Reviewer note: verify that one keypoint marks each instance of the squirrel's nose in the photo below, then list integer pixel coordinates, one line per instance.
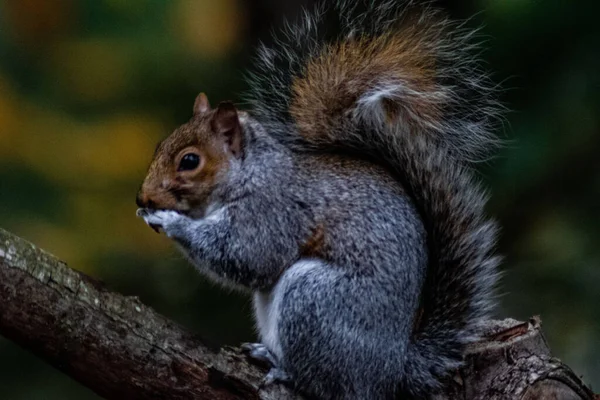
(139, 200)
(144, 201)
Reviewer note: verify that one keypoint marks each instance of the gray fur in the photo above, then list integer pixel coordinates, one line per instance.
(356, 307)
(430, 157)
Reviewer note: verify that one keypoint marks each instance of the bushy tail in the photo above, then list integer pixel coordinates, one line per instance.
(398, 81)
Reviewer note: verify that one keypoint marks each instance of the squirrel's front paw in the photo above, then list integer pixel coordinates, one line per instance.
(168, 221)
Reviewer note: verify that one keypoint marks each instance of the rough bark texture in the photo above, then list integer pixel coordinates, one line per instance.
(513, 361)
(113, 344)
(122, 349)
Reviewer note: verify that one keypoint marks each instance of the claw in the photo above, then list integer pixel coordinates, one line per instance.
(143, 213)
(259, 352)
(155, 227)
(276, 375)
(247, 347)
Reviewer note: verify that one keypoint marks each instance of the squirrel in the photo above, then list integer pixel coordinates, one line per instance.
(345, 199)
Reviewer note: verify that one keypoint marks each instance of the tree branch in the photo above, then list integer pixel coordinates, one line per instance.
(120, 348)
(112, 344)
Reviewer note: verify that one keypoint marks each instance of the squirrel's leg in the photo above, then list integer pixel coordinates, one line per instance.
(339, 335)
(265, 311)
(230, 250)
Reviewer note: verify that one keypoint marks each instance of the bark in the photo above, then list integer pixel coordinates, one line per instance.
(120, 348)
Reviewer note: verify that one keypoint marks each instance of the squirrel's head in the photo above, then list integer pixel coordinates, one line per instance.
(189, 164)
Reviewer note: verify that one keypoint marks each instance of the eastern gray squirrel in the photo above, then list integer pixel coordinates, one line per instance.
(345, 199)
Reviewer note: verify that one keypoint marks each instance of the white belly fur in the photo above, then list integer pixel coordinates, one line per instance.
(266, 315)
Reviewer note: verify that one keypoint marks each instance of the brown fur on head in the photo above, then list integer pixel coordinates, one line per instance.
(189, 164)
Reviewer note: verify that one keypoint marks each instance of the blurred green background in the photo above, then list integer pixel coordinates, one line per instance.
(88, 87)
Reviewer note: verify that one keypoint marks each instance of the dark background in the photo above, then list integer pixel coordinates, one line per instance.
(88, 87)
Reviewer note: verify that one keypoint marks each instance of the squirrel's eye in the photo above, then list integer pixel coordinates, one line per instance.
(189, 162)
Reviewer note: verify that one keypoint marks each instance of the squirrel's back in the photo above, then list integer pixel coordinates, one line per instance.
(398, 82)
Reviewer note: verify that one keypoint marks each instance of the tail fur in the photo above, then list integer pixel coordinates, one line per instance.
(400, 82)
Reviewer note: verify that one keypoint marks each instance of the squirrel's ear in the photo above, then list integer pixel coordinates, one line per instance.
(201, 105)
(226, 124)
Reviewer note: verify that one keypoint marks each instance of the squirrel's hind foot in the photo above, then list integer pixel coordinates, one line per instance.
(261, 353)
(276, 375)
